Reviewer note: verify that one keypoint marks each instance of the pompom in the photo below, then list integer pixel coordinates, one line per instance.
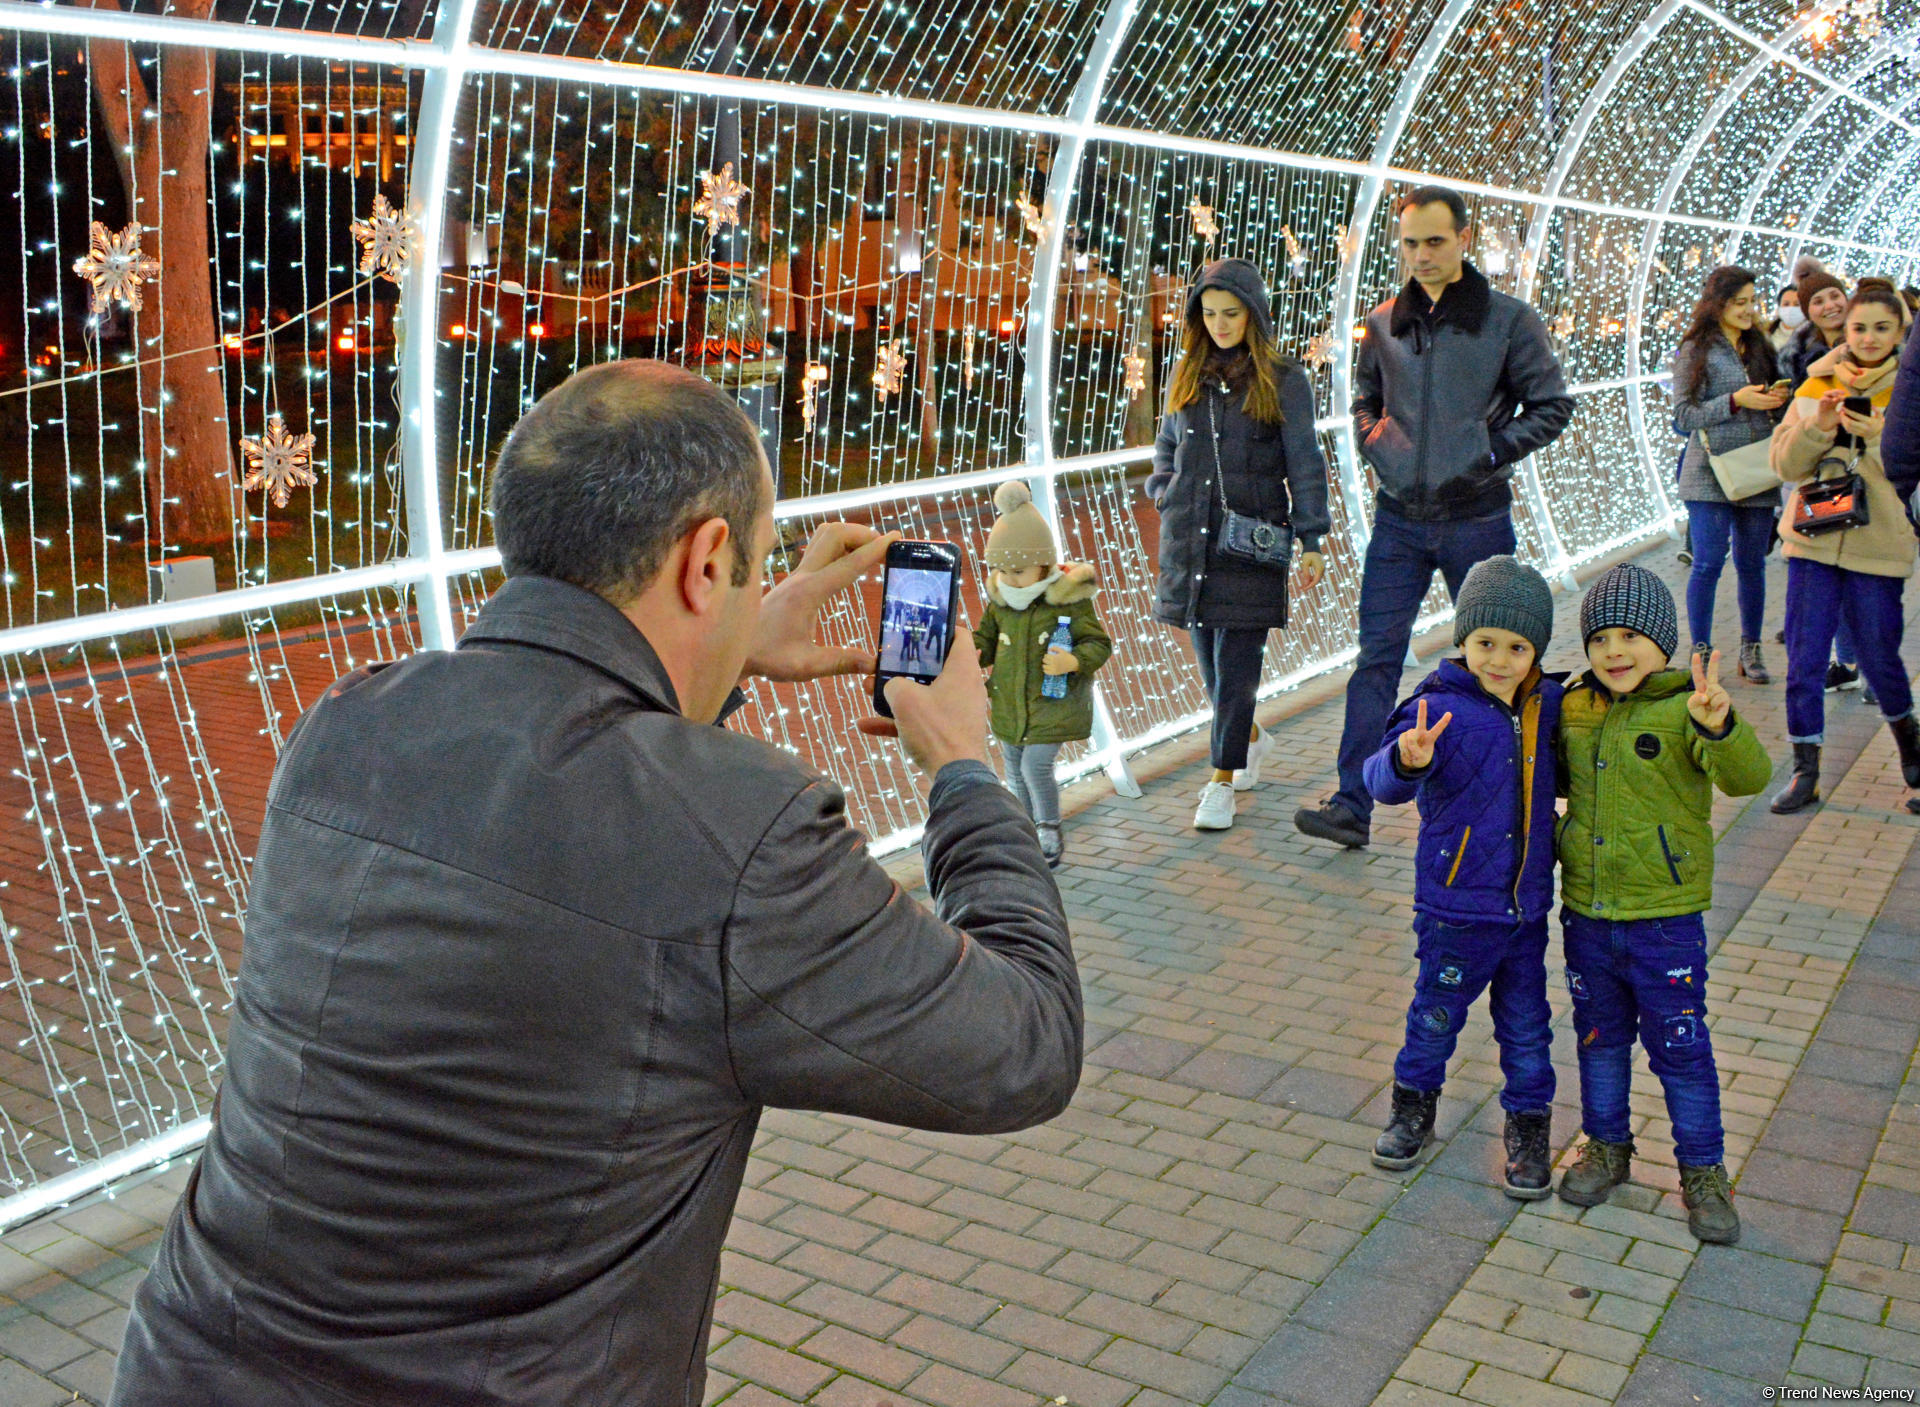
(1011, 495)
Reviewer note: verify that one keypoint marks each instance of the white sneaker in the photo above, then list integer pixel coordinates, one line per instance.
(1215, 811)
(1248, 777)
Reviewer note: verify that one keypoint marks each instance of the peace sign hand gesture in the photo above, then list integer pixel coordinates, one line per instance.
(1710, 703)
(1416, 744)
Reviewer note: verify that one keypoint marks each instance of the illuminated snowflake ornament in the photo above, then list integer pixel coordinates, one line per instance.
(889, 365)
(1562, 325)
(1204, 224)
(1031, 216)
(386, 237)
(720, 197)
(1320, 351)
(1136, 375)
(279, 461)
(116, 266)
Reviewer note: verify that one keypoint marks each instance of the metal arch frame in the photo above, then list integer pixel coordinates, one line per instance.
(1656, 228)
(1881, 50)
(1346, 310)
(1043, 288)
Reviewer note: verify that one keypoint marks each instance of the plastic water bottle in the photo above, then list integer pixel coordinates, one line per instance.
(1054, 686)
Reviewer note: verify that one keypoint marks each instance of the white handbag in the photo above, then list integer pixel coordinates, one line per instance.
(1744, 472)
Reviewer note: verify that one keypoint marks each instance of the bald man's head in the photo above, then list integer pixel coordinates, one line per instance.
(614, 466)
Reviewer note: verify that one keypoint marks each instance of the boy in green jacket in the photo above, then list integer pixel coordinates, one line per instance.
(1040, 637)
(1641, 749)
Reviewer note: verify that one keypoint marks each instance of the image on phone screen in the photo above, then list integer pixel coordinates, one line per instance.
(913, 621)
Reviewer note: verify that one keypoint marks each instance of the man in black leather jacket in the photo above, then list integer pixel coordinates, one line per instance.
(1454, 383)
(531, 943)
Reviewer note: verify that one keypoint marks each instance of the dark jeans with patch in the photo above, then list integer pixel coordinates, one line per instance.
(1645, 977)
(1458, 962)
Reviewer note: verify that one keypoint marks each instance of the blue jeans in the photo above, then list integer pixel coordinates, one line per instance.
(1457, 963)
(1823, 598)
(1647, 976)
(1402, 557)
(1712, 529)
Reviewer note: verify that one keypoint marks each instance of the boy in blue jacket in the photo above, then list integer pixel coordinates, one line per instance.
(1483, 774)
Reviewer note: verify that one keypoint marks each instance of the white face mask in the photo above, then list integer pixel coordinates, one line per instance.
(1793, 316)
(1021, 597)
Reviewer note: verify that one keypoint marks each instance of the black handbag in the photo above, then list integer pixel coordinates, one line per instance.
(1831, 505)
(1243, 536)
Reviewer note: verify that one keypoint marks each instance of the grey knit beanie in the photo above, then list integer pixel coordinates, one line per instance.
(1636, 599)
(1504, 593)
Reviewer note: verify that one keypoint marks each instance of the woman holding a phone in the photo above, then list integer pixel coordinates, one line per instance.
(1726, 391)
(1849, 549)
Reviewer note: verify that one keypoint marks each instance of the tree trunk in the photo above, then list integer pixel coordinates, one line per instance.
(185, 440)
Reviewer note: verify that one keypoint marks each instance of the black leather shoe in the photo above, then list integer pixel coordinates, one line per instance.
(1333, 821)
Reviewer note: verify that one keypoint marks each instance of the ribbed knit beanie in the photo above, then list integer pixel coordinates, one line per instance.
(1632, 597)
(1021, 538)
(1504, 593)
(1812, 283)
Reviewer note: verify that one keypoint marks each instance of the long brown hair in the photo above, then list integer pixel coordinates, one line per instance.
(1197, 347)
(1722, 287)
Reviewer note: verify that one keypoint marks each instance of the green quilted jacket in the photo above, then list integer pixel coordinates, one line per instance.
(1638, 773)
(1012, 644)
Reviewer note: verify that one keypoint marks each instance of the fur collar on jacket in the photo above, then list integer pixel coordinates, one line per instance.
(1078, 582)
(1464, 304)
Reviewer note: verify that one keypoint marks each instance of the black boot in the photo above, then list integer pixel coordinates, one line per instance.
(1906, 737)
(1529, 1156)
(1409, 1130)
(1803, 788)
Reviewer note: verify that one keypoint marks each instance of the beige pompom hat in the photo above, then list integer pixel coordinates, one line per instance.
(1021, 538)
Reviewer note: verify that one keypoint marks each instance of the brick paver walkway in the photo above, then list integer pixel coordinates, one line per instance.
(1203, 1226)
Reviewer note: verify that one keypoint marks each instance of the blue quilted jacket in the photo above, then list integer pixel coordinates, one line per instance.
(1486, 800)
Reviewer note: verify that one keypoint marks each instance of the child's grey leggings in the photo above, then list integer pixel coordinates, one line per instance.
(1030, 777)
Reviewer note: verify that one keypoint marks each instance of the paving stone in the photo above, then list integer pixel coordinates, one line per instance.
(21, 1387)
(1745, 1279)
(1887, 1211)
(1664, 1382)
(1142, 1055)
(1796, 1233)
(1228, 1072)
(1304, 1366)
(1450, 1204)
(1723, 1338)
(1319, 1092)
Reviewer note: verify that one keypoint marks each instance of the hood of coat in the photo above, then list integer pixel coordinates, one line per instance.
(1078, 581)
(1243, 280)
(1464, 304)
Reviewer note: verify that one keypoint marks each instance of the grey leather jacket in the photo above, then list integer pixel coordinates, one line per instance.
(527, 953)
(1445, 402)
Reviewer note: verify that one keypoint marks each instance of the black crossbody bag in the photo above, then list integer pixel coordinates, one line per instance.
(1243, 536)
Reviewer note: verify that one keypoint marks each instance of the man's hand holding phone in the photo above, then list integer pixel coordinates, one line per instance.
(941, 722)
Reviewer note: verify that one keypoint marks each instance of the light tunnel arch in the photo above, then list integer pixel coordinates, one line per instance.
(1080, 482)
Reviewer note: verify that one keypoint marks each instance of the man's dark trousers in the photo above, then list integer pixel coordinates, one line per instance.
(1402, 557)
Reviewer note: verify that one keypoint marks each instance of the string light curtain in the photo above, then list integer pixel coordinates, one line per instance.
(286, 274)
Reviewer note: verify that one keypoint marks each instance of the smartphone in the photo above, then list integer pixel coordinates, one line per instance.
(1779, 386)
(919, 603)
(1859, 405)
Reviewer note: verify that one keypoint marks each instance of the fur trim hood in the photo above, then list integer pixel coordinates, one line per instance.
(1078, 582)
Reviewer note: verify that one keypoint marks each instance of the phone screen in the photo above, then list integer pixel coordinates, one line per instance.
(1859, 405)
(917, 605)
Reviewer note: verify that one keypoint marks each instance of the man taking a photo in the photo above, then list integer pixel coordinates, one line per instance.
(1453, 385)
(531, 943)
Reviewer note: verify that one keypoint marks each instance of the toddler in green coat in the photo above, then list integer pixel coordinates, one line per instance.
(1041, 690)
(1642, 748)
